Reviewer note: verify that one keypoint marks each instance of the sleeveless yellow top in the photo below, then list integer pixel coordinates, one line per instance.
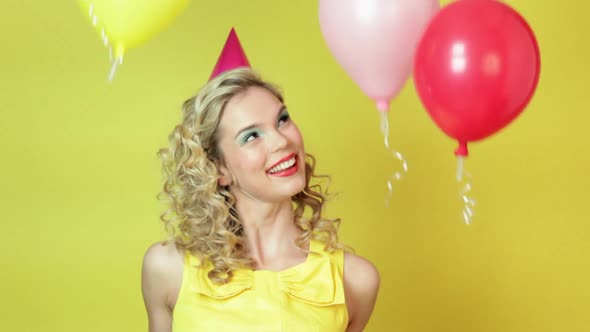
(306, 297)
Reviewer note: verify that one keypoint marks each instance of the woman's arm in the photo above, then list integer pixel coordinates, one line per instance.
(361, 285)
(161, 277)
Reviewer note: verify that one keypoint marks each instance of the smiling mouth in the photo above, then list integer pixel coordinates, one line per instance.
(285, 165)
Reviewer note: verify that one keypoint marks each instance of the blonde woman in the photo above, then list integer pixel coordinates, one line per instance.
(249, 249)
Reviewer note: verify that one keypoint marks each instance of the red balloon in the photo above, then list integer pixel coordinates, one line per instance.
(476, 68)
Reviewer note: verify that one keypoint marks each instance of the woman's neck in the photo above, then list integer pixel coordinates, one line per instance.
(270, 232)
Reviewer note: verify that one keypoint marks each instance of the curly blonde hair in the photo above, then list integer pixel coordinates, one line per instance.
(201, 216)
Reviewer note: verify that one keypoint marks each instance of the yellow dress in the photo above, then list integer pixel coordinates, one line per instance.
(307, 297)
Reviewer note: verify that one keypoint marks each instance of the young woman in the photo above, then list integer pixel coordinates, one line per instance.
(249, 248)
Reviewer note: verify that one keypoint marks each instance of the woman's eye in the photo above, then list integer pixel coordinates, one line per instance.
(284, 118)
(249, 137)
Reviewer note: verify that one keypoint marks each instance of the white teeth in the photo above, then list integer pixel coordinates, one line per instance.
(283, 165)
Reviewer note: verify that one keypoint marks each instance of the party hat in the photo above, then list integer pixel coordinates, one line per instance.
(232, 56)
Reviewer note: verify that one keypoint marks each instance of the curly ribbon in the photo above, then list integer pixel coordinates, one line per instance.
(398, 175)
(464, 180)
(115, 62)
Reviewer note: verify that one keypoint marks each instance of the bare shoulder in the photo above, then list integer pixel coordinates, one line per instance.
(360, 273)
(162, 254)
(163, 260)
(162, 269)
(361, 286)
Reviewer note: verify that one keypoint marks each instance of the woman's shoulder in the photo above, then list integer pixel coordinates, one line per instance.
(359, 272)
(160, 257)
(162, 269)
(361, 285)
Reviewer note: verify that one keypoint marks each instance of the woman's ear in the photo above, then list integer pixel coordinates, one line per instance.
(226, 178)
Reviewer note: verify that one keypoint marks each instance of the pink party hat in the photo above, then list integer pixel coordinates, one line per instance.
(232, 56)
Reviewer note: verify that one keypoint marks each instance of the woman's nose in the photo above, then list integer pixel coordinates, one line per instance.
(278, 141)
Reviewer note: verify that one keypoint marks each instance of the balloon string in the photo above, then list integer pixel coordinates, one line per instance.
(114, 64)
(115, 61)
(464, 180)
(398, 175)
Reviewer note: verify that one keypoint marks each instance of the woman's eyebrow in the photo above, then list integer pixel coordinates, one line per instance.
(254, 125)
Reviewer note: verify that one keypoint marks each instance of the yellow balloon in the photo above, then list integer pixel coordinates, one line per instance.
(123, 24)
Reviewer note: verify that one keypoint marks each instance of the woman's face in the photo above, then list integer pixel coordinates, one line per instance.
(261, 146)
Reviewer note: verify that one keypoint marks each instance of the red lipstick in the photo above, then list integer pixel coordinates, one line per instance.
(288, 171)
(282, 160)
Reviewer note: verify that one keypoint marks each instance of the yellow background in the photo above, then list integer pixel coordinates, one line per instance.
(79, 171)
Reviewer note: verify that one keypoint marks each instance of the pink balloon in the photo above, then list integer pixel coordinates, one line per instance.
(375, 40)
